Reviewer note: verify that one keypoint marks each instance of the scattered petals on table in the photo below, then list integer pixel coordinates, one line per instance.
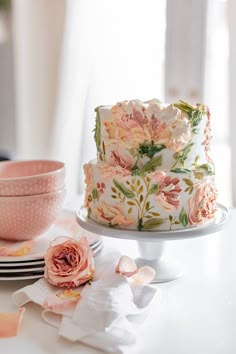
(126, 266)
(144, 275)
(10, 323)
(24, 249)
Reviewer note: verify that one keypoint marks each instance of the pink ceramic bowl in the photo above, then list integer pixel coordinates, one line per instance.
(18, 178)
(25, 217)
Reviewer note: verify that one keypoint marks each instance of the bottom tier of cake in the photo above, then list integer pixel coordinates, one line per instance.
(153, 200)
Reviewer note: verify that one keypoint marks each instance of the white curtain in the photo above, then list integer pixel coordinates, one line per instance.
(38, 27)
(73, 55)
(112, 50)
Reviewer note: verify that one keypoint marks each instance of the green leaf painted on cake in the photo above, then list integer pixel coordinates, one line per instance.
(151, 165)
(188, 182)
(180, 170)
(150, 149)
(135, 171)
(153, 223)
(123, 189)
(206, 167)
(195, 113)
(182, 155)
(154, 189)
(183, 218)
(140, 224)
(95, 193)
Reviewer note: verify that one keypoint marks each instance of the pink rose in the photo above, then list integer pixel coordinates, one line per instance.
(202, 203)
(69, 263)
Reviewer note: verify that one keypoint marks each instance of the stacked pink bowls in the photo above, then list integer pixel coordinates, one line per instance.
(31, 197)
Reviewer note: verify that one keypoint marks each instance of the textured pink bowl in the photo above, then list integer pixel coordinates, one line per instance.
(23, 218)
(18, 178)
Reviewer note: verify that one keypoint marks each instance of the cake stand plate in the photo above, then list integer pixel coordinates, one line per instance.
(151, 244)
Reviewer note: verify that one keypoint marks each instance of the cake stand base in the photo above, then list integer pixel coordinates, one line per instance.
(151, 244)
(152, 254)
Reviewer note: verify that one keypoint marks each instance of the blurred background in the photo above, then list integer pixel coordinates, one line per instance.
(59, 59)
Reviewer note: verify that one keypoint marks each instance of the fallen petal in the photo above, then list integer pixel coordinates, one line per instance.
(10, 323)
(144, 275)
(62, 301)
(126, 266)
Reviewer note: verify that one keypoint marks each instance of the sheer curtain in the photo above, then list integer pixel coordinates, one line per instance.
(73, 55)
(111, 51)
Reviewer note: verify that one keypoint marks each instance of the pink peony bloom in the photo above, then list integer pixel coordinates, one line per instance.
(113, 215)
(121, 159)
(69, 263)
(202, 203)
(168, 194)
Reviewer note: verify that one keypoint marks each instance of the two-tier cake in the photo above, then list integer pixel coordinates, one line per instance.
(153, 169)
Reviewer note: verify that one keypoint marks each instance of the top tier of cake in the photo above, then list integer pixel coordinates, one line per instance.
(142, 136)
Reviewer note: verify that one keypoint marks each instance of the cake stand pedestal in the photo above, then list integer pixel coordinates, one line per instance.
(151, 244)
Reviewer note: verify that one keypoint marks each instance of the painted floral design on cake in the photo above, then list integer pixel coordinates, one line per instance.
(154, 169)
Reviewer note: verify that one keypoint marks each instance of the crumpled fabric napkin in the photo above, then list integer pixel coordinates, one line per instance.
(106, 315)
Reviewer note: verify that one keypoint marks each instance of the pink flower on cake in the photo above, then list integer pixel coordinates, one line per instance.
(207, 133)
(108, 171)
(112, 215)
(168, 194)
(181, 134)
(69, 263)
(202, 203)
(119, 158)
(101, 186)
(88, 171)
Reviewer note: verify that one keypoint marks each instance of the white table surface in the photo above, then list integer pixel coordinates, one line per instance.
(195, 314)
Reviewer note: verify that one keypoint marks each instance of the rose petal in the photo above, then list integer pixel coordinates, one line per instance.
(23, 250)
(65, 300)
(144, 275)
(126, 266)
(10, 323)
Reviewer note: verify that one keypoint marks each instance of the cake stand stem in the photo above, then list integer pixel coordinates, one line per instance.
(153, 255)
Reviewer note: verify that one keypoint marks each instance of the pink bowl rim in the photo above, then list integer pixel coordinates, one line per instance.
(60, 191)
(57, 171)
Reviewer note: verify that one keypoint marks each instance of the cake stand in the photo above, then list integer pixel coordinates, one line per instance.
(151, 244)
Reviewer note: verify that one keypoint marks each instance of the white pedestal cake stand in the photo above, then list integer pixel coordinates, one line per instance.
(151, 244)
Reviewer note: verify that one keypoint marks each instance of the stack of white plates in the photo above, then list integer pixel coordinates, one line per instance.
(31, 266)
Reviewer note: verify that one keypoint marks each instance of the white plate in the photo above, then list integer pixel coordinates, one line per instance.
(65, 225)
(21, 270)
(20, 264)
(22, 277)
(218, 223)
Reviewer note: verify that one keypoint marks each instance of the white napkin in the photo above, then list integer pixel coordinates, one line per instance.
(107, 313)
